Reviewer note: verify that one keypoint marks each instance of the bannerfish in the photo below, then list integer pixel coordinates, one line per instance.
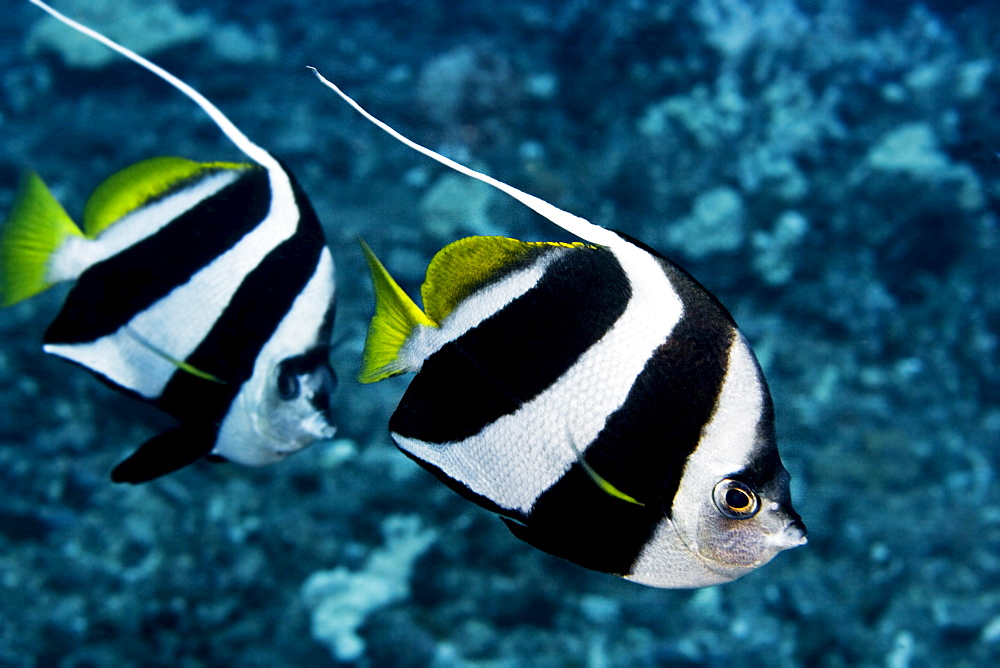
(593, 394)
(203, 288)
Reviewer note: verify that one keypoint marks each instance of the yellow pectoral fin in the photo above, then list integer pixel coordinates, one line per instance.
(598, 479)
(194, 371)
(606, 486)
(396, 317)
(36, 228)
(180, 364)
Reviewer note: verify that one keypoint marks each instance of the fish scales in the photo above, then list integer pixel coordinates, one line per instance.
(540, 334)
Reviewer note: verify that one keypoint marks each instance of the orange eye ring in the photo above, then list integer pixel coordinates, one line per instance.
(735, 499)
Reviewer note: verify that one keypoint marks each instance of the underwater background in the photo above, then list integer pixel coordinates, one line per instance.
(828, 168)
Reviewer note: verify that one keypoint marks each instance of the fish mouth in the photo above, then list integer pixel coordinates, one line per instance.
(793, 534)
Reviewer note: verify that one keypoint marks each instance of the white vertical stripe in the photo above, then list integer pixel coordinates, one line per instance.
(670, 558)
(252, 432)
(727, 440)
(516, 458)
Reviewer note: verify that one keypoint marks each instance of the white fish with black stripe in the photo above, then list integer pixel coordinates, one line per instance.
(595, 395)
(205, 289)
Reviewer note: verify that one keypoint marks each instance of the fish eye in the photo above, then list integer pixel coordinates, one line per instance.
(735, 499)
(288, 383)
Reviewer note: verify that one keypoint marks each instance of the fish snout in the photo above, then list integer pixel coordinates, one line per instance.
(792, 535)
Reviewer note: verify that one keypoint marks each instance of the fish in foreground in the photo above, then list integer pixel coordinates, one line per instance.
(205, 289)
(593, 394)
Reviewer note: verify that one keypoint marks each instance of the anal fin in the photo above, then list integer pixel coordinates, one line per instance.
(525, 533)
(165, 453)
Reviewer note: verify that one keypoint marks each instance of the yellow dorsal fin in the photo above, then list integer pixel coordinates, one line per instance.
(396, 316)
(464, 265)
(35, 230)
(128, 189)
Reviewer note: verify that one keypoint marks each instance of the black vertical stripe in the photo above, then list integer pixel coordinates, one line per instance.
(230, 349)
(594, 530)
(644, 444)
(110, 293)
(765, 472)
(517, 353)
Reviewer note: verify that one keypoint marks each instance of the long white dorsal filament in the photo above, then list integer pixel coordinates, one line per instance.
(254, 152)
(575, 225)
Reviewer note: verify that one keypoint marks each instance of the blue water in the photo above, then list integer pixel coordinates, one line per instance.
(828, 169)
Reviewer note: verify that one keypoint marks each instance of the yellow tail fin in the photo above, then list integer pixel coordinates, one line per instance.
(36, 228)
(396, 316)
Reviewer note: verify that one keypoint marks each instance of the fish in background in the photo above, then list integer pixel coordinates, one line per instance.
(203, 288)
(593, 394)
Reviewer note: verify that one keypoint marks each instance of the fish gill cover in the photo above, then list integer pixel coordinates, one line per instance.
(829, 170)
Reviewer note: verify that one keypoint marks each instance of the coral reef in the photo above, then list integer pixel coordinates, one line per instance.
(828, 169)
(152, 26)
(340, 599)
